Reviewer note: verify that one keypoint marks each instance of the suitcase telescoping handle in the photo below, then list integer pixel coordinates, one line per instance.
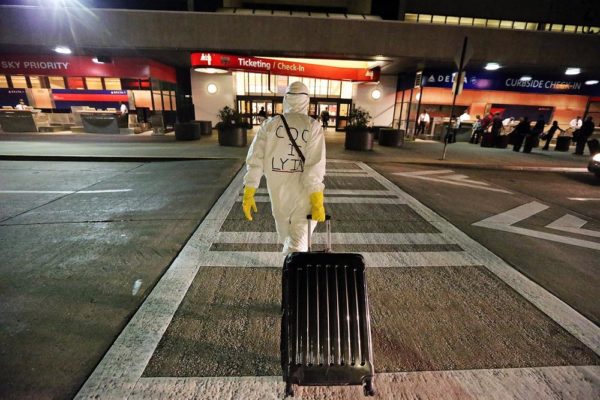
(327, 227)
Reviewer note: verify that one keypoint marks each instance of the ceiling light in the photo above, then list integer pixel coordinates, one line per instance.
(492, 66)
(211, 70)
(95, 59)
(572, 71)
(62, 50)
(525, 78)
(376, 94)
(591, 82)
(211, 88)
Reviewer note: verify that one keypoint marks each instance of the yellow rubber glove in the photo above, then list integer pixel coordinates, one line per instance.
(318, 210)
(248, 202)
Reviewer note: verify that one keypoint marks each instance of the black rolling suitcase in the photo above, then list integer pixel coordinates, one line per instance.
(326, 327)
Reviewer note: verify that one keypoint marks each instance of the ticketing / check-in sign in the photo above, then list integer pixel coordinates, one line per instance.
(283, 67)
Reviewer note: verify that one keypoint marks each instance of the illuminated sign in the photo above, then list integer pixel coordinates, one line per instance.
(283, 67)
(498, 81)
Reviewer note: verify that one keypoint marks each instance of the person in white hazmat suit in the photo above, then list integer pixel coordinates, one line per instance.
(295, 188)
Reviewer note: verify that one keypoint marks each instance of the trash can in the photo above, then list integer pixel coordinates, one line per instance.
(563, 143)
(391, 137)
(187, 131)
(205, 127)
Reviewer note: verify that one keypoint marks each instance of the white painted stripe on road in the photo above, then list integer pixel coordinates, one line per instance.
(584, 198)
(345, 192)
(573, 224)
(392, 259)
(338, 238)
(63, 191)
(359, 174)
(561, 382)
(342, 200)
(504, 221)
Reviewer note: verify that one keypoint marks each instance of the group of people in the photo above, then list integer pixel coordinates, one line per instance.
(527, 136)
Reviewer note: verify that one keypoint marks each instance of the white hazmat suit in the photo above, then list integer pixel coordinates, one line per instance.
(289, 181)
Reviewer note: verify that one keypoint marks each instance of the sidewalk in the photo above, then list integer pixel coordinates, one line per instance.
(68, 146)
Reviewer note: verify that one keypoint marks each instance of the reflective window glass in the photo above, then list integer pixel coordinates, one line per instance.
(36, 82)
(439, 19)
(240, 88)
(411, 17)
(56, 82)
(557, 28)
(479, 21)
(532, 26)
(93, 83)
(282, 83)
(493, 23)
(335, 88)
(75, 83)
(452, 20)
(520, 25)
(466, 21)
(425, 18)
(18, 81)
(112, 83)
(156, 97)
(506, 24)
(346, 90)
(3, 82)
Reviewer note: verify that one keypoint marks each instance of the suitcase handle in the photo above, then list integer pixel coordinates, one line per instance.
(327, 226)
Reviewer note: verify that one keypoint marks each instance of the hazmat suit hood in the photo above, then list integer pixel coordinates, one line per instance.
(296, 99)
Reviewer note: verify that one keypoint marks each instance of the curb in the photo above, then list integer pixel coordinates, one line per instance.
(107, 158)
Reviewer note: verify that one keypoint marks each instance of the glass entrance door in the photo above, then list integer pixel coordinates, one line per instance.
(267, 105)
(327, 113)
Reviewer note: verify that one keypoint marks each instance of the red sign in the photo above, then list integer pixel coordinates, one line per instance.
(281, 67)
(65, 65)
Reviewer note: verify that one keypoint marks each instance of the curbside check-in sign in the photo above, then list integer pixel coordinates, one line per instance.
(498, 81)
(283, 67)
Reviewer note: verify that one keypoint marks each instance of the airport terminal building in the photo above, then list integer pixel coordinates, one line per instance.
(185, 60)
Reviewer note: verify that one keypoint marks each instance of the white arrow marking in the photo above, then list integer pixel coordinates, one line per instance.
(454, 179)
(62, 191)
(571, 223)
(505, 220)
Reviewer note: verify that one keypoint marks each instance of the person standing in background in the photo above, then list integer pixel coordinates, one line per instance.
(586, 130)
(422, 122)
(575, 123)
(550, 134)
(21, 105)
(496, 129)
(262, 115)
(477, 131)
(325, 117)
(536, 131)
(521, 131)
(123, 109)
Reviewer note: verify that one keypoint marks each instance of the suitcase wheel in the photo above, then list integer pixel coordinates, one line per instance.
(289, 389)
(368, 388)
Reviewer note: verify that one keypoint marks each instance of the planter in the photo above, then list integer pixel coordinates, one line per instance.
(359, 139)
(391, 137)
(233, 136)
(187, 131)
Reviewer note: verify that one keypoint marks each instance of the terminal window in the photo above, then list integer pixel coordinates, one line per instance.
(3, 82)
(18, 81)
(56, 82)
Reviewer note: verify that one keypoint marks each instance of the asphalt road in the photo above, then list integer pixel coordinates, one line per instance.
(81, 246)
(569, 271)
